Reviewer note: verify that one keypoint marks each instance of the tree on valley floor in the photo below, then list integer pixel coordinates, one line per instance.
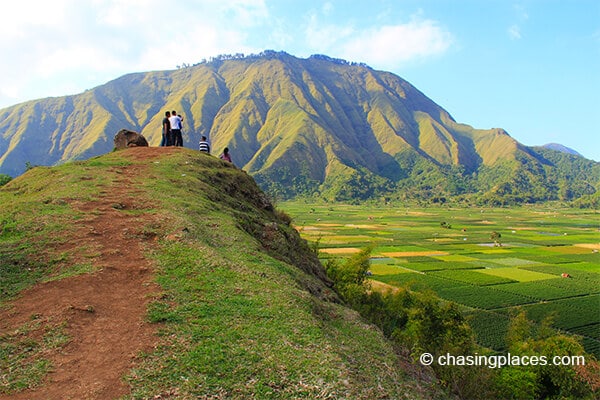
(495, 236)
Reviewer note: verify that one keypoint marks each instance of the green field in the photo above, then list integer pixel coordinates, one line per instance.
(450, 251)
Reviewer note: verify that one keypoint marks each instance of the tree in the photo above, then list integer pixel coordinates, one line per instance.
(4, 179)
(495, 236)
(544, 380)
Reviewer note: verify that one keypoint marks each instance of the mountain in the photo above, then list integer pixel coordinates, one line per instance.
(166, 273)
(318, 126)
(561, 148)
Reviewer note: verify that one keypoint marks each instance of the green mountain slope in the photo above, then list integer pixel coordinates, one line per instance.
(316, 126)
(242, 308)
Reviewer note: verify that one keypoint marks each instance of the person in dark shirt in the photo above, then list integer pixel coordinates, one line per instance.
(166, 130)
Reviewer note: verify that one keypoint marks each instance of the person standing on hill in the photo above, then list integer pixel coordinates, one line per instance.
(176, 123)
(166, 131)
(204, 146)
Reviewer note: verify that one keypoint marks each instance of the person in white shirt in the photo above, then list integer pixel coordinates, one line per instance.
(176, 123)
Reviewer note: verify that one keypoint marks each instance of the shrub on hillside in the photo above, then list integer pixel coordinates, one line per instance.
(4, 179)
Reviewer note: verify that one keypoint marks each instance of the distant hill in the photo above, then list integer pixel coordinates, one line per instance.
(561, 148)
(166, 273)
(302, 127)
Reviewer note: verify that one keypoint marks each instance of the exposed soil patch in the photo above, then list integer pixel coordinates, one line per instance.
(104, 310)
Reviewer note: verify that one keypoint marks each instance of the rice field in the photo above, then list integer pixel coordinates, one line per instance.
(546, 260)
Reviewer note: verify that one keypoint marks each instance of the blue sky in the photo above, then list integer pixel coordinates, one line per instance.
(531, 67)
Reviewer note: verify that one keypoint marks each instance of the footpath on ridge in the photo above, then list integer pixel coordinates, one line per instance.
(103, 312)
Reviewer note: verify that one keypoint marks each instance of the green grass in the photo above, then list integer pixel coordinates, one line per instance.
(518, 274)
(22, 353)
(244, 320)
(417, 281)
(483, 297)
(542, 290)
(387, 269)
(474, 277)
(242, 332)
(240, 313)
(568, 313)
(592, 331)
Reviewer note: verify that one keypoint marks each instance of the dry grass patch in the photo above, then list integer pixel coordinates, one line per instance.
(592, 246)
(575, 249)
(340, 250)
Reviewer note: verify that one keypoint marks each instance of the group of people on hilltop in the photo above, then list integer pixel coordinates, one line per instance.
(171, 135)
(171, 129)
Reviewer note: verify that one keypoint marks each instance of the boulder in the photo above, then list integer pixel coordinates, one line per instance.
(126, 138)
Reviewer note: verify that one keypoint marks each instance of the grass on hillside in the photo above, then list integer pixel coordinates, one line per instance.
(235, 320)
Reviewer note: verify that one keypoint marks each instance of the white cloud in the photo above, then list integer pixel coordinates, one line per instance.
(20, 16)
(74, 43)
(393, 45)
(521, 15)
(327, 8)
(383, 46)
(70, 43)
(321, 37)
(514, 32)
(521, 12)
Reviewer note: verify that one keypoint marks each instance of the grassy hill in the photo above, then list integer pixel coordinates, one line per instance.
(166, 273)
(318, 127)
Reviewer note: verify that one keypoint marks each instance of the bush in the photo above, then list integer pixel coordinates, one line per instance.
(417, 321)
(4, 179)
(349, 278)
(545, 381)
(421, 322)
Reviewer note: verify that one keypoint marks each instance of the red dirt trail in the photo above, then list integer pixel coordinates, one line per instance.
(103, 311)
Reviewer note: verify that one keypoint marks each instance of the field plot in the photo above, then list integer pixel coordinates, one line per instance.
(474, 277)
(544, 261)
(518, 274)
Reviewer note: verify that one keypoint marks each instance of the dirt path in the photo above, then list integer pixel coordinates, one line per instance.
(103, 311)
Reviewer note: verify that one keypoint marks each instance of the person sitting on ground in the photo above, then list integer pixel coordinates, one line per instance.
(225, 156)
(204, 146)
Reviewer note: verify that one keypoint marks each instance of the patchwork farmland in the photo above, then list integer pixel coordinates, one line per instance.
(491, 261)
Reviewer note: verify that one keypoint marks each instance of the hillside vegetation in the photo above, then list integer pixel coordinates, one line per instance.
(318, 127)
(233, 303)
